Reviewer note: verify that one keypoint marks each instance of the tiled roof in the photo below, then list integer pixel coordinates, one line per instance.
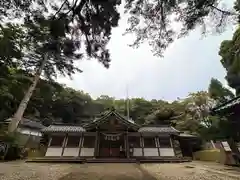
(61, 128)
(32, 124)
(105, 117)
(228, 104)
(25, 122)
(159, 129)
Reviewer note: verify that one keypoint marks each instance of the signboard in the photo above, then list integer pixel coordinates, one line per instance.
(226, 146)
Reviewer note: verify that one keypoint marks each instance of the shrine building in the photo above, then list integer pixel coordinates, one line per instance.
(115, 136)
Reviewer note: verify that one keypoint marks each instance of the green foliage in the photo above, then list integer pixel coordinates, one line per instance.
(229, 52)
(66, 31)
(218, 92)
(11, 44)
(53, 102)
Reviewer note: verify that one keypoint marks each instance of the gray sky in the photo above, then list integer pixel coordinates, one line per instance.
(187, 66)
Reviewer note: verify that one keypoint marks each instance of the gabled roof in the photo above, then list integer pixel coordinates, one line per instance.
(105, 118)
(233, 102)
(159, 129)
(63, 128)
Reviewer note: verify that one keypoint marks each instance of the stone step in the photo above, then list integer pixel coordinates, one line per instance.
(110, 160)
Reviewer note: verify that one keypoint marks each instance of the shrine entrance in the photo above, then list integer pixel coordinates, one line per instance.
(112, 145)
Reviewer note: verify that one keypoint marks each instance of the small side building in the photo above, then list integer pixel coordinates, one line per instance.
(29, 132)
(231, 111)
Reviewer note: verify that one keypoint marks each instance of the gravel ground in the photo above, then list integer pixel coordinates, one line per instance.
(192, 171)
(19, 170)
(39, 171)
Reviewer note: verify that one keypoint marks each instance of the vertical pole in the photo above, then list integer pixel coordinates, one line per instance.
(127, 104)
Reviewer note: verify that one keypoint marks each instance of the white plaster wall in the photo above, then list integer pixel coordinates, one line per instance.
(87, 152)
(71, 152)
(137, 151)
(54, 151)
(167, 152)
(150, 152)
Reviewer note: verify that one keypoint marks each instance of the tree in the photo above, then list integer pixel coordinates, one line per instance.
(11, 44)
(229, 52)
(60, 35)
(198, 105)
(155, 21)
(218, 92)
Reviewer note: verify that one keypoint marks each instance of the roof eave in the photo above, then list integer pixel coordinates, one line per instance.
(104, 118)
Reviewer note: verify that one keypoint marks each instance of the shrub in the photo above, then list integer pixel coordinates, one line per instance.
(12, 149)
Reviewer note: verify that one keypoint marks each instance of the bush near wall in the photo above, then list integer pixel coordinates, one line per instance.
(207, 155)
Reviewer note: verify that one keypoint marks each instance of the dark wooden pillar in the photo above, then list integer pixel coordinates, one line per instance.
(49, 144)
(127, 144)
(172, 145)
(80, 144)
(50, 141)
(142, 144)
(64, 143)
(96, 144)
(157, 145)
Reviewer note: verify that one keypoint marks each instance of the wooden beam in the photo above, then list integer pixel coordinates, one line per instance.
(64, 143)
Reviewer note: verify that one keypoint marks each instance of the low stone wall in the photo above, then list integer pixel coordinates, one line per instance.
(207, 155)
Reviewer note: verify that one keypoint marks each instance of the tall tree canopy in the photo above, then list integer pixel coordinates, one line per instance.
(230, 59)
(218, 92)
(156, 21)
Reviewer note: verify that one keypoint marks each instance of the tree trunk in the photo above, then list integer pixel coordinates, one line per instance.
(17, 117)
